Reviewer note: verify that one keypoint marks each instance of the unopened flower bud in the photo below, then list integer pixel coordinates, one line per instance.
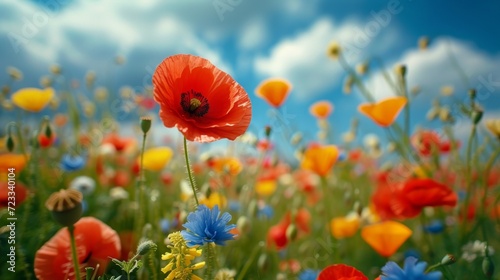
(291, 232)
(400, 70)
(488, 267)
(476, 116)
(145, 124)
(448, 259)
(243, 224)
(423, 42)
(263, 262)
(334, 50)
(146, 247)
(267, 131)
(10, 143)
(472, 94)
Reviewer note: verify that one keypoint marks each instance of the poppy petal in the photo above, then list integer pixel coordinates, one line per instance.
(385, 112)
(274, 91)
(341, 271)
(386, 237)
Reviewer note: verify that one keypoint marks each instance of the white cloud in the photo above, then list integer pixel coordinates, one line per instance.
(83, 32)
(253, 35)
(302, 59)
(433, 68)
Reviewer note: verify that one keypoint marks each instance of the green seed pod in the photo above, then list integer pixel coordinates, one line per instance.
(146, 247)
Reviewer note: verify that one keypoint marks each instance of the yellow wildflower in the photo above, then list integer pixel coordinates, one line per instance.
(180, 258)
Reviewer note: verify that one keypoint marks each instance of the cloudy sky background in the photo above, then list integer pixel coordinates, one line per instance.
(258, 39)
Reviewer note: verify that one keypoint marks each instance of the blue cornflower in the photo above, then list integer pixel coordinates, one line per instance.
(436, 226)
(309, 274)
(72, 162)
(411, 271)
(206, 226)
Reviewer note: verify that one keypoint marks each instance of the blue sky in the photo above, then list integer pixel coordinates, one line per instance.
(258, 39)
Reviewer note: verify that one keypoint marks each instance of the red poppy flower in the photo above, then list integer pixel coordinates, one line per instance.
(407, 199)
(19, 190)
(46, 141)
(95, 241)
(120, 143)
(427, 192)
(204, 103)
(276, 236)
(426, 141)
(341, 272)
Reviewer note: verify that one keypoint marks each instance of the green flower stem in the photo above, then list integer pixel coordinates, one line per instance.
(249, 261)
(76, 267)
(356, 79)
(404, 93)
(20, 138)
(433, 267)
(190, 173)
(210, 260)
(139, 186)
(487, 171)
(328, 211)
(468, 179)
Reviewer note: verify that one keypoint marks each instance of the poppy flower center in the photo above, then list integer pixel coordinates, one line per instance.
(194, 103)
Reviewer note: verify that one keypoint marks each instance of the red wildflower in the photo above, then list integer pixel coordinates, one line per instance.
(120, 143)
(95, 241)
(204, 103)
(17, 191)
(406, 200)
(426, 141)
(341, 272)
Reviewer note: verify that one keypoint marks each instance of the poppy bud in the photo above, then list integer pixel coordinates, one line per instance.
(488, 267)
(48, 131)
(243, 224)
(472, 94)
(423, 42)
(291, 232)
(476, 116)
(146, 247)
(401, 70)
(263, 262)
(10, 143)
(145, 124)
(252, 208)
(66, 206)
(448, 259)
(334, 50)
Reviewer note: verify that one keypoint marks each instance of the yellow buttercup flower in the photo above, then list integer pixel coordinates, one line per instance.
(156, 158)
(33, 99)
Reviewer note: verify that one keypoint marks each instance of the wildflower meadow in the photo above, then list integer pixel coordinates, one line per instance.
(103, 181)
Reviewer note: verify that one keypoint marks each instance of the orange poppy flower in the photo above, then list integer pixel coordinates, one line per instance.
(274, 91)
(342, 227)
(384, 112)
(386, 237)
(265, 187)
(204, 103)
(341, 271)
(11, 160)
(321, 109)
(320, 159)
(95, 241)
